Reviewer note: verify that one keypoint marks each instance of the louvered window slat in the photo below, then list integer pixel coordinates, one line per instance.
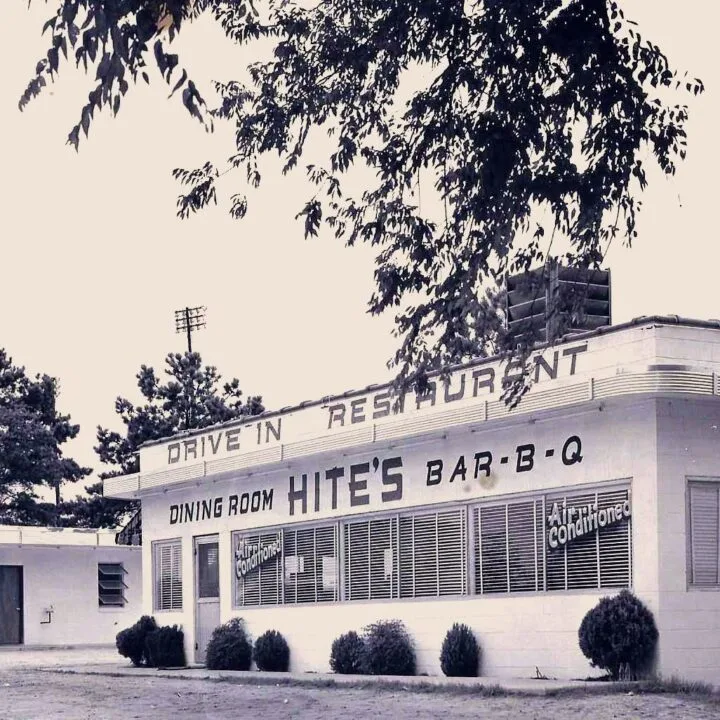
(304, 572)
(614, 545)
(306, 577)
(704, 533)
(413, 555)
(260, 586)
(492, 564)
(167, 560)
(425, 556)
(111, 585)
(512, 553)
(452, 552)
(582, 552)
(370, 559)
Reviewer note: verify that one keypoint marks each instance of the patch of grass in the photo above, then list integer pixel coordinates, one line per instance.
(252, 679)
(699, 691)
(650, 686)
(377, 685)
(676, 686)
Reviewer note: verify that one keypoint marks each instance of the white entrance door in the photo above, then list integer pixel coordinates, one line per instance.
(207, 592)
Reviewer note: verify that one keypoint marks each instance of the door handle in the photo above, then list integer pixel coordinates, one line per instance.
(19, 609)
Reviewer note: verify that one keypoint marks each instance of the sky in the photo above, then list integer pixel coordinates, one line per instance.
(95, 262)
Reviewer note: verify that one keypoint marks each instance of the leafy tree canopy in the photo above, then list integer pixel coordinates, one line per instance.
(193, 396)
(522, 119)
(32, 432)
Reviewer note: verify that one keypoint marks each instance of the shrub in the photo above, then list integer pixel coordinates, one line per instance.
(460, 653)
(165, 647)
(619, 635)
(130, 642)
(347, 655)
(272, 652)
(229, 647)
(388, 649)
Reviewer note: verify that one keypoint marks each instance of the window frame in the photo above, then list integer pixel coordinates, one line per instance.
(543, 497)
(157, 546)
(281, 531)
(466, 509)
(120, 594)
(690, 482)
(398, 580)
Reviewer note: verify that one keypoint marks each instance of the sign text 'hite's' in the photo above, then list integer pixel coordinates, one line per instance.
(381, 481)
(373, 483)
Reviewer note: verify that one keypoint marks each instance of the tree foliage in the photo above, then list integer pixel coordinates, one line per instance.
(193, 396)
(520, 119)
(32, 433)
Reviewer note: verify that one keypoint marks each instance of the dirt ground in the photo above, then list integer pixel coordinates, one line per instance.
(30, 694)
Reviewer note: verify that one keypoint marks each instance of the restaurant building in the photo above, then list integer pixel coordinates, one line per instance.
(452, 507)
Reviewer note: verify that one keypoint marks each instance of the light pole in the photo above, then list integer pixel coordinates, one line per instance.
(189, 319)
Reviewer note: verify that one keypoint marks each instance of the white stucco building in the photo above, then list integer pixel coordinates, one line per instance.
(324, 517)
(62, 586)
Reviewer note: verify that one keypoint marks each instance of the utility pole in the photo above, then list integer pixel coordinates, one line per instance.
(189, 319)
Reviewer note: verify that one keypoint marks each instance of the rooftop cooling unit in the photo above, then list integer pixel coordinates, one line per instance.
(554, 300)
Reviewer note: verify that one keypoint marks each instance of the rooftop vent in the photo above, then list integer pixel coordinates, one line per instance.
(555, 300)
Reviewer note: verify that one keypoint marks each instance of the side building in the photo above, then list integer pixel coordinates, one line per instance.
(451, 507)
(63, 586)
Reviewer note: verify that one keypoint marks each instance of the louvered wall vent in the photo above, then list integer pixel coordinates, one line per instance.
(654, 382)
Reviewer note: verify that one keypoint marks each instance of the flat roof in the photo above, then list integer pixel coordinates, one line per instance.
(713, 324)
(37, 535)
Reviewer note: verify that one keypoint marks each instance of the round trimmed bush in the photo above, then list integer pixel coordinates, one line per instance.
(229, 647)
(271, 652)
(165, 647)
(388, 649)
(460, 653)
(347, 655)
(619, 634)
(130, 642)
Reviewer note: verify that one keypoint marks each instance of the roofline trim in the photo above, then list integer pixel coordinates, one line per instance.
(653, 320)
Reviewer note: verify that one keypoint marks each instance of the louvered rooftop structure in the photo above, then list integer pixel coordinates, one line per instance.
(554, 300)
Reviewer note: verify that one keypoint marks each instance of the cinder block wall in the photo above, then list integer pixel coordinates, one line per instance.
(66, 577)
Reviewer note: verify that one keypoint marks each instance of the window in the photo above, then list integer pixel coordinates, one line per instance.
(287, 566)
(371, 570)
(167, 575)
(406, 556)
(208, 570)
(260, 585)
(111, 585)
(509, 547)
(554, 542)
(704, 533)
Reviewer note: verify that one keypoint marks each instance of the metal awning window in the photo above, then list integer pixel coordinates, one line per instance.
(111, 585)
